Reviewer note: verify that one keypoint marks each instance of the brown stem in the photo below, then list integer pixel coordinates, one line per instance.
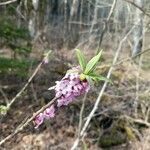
(20, 128)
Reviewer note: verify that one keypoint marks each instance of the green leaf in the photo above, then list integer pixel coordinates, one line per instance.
(90, 81)
(96, 77)
(81, 59)
(92, 63)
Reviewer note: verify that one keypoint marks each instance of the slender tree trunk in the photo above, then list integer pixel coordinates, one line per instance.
(81, 12)
(94, 21)
(35, 4)
(95, 17)
(33, 19)
(89, 12)
(47, 17)
(73, 11)
(73, 29)
(138, 31)
(65, 23)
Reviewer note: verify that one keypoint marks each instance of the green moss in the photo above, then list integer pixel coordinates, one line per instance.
(111, 138)
(120, 132)
(129, 132)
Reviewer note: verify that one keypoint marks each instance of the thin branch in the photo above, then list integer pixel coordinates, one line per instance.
(111, 10)
(21, 127)
(101, 92)
(18, 10)
(106, 24)
(136, 101)
(34, 92)
(81, 114)
(141, 9)
(147, 114)
(7, 2)
(29, 80)
(139, 121)
(4, 95)
(131, 58)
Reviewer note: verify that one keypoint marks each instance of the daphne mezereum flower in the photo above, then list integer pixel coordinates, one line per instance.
(39, 120)
(66, 90)
(47, 114)
(70, 87)
(46, 61)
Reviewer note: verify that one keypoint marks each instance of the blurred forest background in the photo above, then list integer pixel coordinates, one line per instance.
(30, 28)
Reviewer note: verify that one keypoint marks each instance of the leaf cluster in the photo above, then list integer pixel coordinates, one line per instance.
(89, 68)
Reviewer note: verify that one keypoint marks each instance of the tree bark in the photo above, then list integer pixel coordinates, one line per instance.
(138, 31)
(73, 11)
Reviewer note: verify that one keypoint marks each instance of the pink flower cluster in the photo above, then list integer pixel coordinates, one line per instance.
(66, 90)
(47, 114)
(69, 88)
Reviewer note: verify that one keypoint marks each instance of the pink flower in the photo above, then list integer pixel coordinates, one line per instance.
(70, 87)
(46, 60)
(49, 112)
(66, 90)
(39, 120)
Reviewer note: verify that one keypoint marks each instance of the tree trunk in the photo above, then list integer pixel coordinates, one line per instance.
(65, 23)
(138, 31)
(32, 20)
(73, 12)
(95, 17)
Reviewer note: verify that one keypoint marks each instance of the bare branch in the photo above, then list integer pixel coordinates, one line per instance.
(106, 24)
(4, 95)
(21, 127)
(81, 114)
(131, 58)
(29, 81)
(7, 2)
(101, 92)
(135, 5)
(138, 121)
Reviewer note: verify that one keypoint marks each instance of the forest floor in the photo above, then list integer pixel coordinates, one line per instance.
(114, 125)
